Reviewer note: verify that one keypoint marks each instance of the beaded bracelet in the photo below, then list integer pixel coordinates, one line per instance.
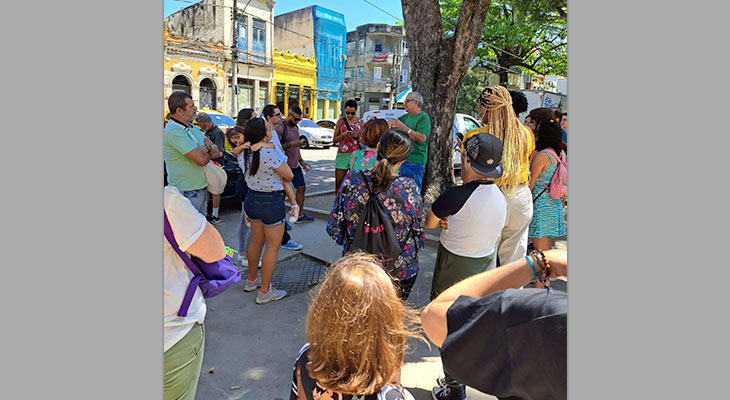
(545, 273)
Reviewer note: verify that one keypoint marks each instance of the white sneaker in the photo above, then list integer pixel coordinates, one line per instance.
(271, 295)
(244, 262)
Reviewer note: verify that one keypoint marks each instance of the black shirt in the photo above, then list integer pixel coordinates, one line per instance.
(215, 134)
(511, 344)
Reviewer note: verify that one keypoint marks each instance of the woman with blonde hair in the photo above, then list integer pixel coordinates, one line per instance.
(399, 195)
(356, 329)
(499, 119)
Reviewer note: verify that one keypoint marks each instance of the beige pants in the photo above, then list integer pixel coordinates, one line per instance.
(512, 243)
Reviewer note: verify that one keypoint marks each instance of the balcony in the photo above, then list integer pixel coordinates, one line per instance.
(385, 30)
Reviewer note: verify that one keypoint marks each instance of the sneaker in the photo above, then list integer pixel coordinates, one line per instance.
(271, 295)
(251, 286)
(448, 393)
(213, 220)
(304, 218)
(441, 380)
(288, 227)
(243, 261)
(292, 245)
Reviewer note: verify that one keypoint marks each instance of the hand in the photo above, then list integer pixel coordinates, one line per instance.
(558, 259)
(305, 165)
(444, 222)
(395, 123)
(294, 211)
(208, 142)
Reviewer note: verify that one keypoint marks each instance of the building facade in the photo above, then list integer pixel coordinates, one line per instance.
(295, 80)
(246, 38)
(320, 33)
(377, 67)
(196, 67)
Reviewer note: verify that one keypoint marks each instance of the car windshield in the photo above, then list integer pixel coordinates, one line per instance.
(222, 120)
(307, 123)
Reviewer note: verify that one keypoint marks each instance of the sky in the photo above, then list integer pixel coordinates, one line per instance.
(356, 12)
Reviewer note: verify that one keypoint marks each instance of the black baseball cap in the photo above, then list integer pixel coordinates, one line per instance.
(485, 154)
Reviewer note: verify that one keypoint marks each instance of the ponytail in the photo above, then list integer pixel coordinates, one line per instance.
(394, 147)
(382, 177)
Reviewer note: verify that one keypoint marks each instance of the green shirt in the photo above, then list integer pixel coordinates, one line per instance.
(182, 173)
(420, 123)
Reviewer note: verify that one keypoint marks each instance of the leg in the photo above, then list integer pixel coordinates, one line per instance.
(254, 248)
(216, 203)
(339, 177)
(513, 241)
(300, 199)
(182, 365)
(542, 243)
(272, 236)
(244, 233)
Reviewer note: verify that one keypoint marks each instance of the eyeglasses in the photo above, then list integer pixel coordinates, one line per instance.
(349, 113)
(296, 119)
(277, 115)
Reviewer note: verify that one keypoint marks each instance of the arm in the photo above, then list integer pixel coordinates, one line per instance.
(285, 172)
(209, 247)
(199, 155)
(537, 165)
(213, 151)
(432, 221)
(511, 276)
(337, 136)
(238, 149)
(263, 145)
(417, 137)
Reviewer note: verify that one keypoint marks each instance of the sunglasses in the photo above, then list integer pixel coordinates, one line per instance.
(296, 119)
(349, 113)
(277, 115)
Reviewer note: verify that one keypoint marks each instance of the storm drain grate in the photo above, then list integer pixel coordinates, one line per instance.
(298, 274)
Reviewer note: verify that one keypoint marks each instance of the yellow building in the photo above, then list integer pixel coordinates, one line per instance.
(295, 78)
(196, 67)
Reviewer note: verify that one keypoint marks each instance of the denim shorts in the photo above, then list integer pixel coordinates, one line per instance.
(265, 207)
(298, 180)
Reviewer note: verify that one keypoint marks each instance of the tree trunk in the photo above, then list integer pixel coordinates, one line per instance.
(438, 65)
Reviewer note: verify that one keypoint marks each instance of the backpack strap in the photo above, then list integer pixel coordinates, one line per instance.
(190, 264)
(283, 135)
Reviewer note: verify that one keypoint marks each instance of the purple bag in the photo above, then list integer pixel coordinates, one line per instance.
(213, 278)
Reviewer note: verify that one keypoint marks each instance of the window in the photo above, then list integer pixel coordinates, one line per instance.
(470, 124)
(377, 73)
(258, 40)
(350, 73)
(350, 49)
(359, 73)
(404, 48)
(242, 42)
(404, 76)
(361, 46)
(378, 45)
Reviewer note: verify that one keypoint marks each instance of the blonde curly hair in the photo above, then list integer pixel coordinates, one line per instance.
(500, 117)
(357, 328)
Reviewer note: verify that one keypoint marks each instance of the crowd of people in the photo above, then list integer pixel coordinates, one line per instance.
(359, 321)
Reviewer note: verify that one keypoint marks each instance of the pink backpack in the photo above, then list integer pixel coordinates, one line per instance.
(558, 186)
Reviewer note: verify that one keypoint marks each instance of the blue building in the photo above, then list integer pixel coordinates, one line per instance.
(320, 33)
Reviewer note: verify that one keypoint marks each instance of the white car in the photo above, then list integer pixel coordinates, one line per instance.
(463, 123)
(310, 134)
(327, 124)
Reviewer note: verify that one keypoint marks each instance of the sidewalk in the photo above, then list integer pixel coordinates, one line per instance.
(252, 347)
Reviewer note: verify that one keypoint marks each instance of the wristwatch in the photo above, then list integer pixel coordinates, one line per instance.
(409, 131)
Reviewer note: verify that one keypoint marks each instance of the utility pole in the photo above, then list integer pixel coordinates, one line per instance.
(395, 76)
(234, 60)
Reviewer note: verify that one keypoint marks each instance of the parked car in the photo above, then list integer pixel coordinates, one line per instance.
(312, 134)
(463, 123)
(327, 123)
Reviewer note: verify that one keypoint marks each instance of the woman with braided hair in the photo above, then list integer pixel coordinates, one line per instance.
(499, 119)
(399, 195)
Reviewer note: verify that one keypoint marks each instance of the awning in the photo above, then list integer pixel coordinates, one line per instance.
(402, 95)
